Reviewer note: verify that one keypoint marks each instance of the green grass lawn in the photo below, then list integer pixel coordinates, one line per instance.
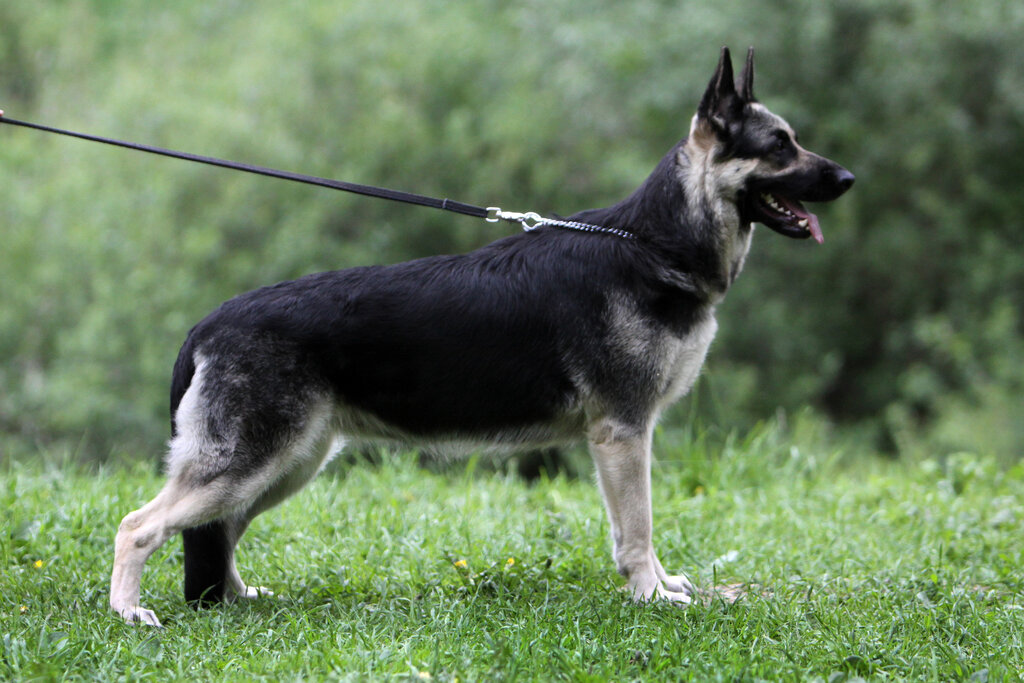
(852, 568)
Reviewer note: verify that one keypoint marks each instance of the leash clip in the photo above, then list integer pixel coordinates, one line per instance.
(529, 220)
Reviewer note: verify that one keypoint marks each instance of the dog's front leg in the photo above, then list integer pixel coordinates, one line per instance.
(622, 455)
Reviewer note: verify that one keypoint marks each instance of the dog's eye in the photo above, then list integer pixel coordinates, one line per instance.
(781, 143)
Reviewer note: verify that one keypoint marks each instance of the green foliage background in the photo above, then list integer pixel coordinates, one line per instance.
(905, 327)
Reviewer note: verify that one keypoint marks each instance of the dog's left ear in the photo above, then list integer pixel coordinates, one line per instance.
(721, 107)
(746, 81)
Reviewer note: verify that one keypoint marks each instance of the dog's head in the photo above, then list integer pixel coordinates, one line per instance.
(756, 158)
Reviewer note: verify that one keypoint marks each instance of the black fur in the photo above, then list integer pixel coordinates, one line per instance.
(469, 344)
(207, 560)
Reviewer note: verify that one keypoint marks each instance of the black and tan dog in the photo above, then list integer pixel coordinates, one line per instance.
(546, 337)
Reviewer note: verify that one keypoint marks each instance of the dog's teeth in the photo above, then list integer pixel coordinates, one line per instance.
(803, 223)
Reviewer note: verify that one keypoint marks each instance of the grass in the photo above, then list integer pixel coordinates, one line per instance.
(853, 568)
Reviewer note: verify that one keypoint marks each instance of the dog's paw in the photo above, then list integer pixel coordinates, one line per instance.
(674, 584)
(249, 593)
(253, 592)
(651, 589)
(139, 615)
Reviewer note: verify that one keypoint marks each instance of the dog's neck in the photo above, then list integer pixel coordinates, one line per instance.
(686, 212)
(712, 189)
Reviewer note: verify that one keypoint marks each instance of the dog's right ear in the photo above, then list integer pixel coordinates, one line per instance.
(721, 108)
(747, 78)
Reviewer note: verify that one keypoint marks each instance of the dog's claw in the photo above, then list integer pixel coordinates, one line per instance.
(658, 592)
(675, 597)
(678, 584)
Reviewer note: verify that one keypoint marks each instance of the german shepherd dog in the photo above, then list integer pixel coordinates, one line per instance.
(546, 337)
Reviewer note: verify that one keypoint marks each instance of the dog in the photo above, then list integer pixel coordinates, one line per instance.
(546, 337)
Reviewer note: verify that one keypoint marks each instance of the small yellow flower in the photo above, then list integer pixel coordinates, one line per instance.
(461, 564)
(38, 564)
(425, 675)
(510, 561)
(23, 609)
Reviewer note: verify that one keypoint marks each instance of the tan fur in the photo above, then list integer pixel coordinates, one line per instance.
(712, 186)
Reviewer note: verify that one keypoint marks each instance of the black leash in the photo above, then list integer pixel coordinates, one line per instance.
(394, 195)
(529, 221)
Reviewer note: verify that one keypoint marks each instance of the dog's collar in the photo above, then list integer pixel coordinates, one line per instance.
(531, 221)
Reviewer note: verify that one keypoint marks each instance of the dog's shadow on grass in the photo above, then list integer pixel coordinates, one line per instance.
(729, 594)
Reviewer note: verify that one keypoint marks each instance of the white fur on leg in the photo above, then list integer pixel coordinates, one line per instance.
(622, 456)
(129, 558)
(176, 507)
(134, 544)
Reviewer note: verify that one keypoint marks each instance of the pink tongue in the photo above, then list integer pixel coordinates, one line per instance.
(812, 221)
(812, 225)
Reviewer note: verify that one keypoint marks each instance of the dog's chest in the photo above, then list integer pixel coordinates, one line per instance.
(669, 356)
(682, 357)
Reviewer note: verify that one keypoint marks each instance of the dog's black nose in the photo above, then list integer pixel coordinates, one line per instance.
(844, 178)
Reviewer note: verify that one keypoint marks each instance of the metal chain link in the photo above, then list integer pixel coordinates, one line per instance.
(531, 221)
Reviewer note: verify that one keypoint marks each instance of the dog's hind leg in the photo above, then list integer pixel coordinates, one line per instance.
(236, 588)
(178, 506)
(210, 572)
(237, 450)
(211, 575)
(622, 456)
(212, 515)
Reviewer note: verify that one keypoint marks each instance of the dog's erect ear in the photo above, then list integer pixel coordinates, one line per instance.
(747, 78)
(721, 104)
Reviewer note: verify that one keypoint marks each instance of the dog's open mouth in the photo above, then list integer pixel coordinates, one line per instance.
(786, 216)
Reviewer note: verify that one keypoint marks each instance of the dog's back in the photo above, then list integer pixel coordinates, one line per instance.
(487, 346)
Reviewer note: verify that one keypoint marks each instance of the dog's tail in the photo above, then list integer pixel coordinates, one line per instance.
(181, 378)
(207, 547)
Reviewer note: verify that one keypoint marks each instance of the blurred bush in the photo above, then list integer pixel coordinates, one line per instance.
(906, 324)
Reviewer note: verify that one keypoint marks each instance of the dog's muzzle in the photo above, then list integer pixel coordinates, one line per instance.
(778, 203)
